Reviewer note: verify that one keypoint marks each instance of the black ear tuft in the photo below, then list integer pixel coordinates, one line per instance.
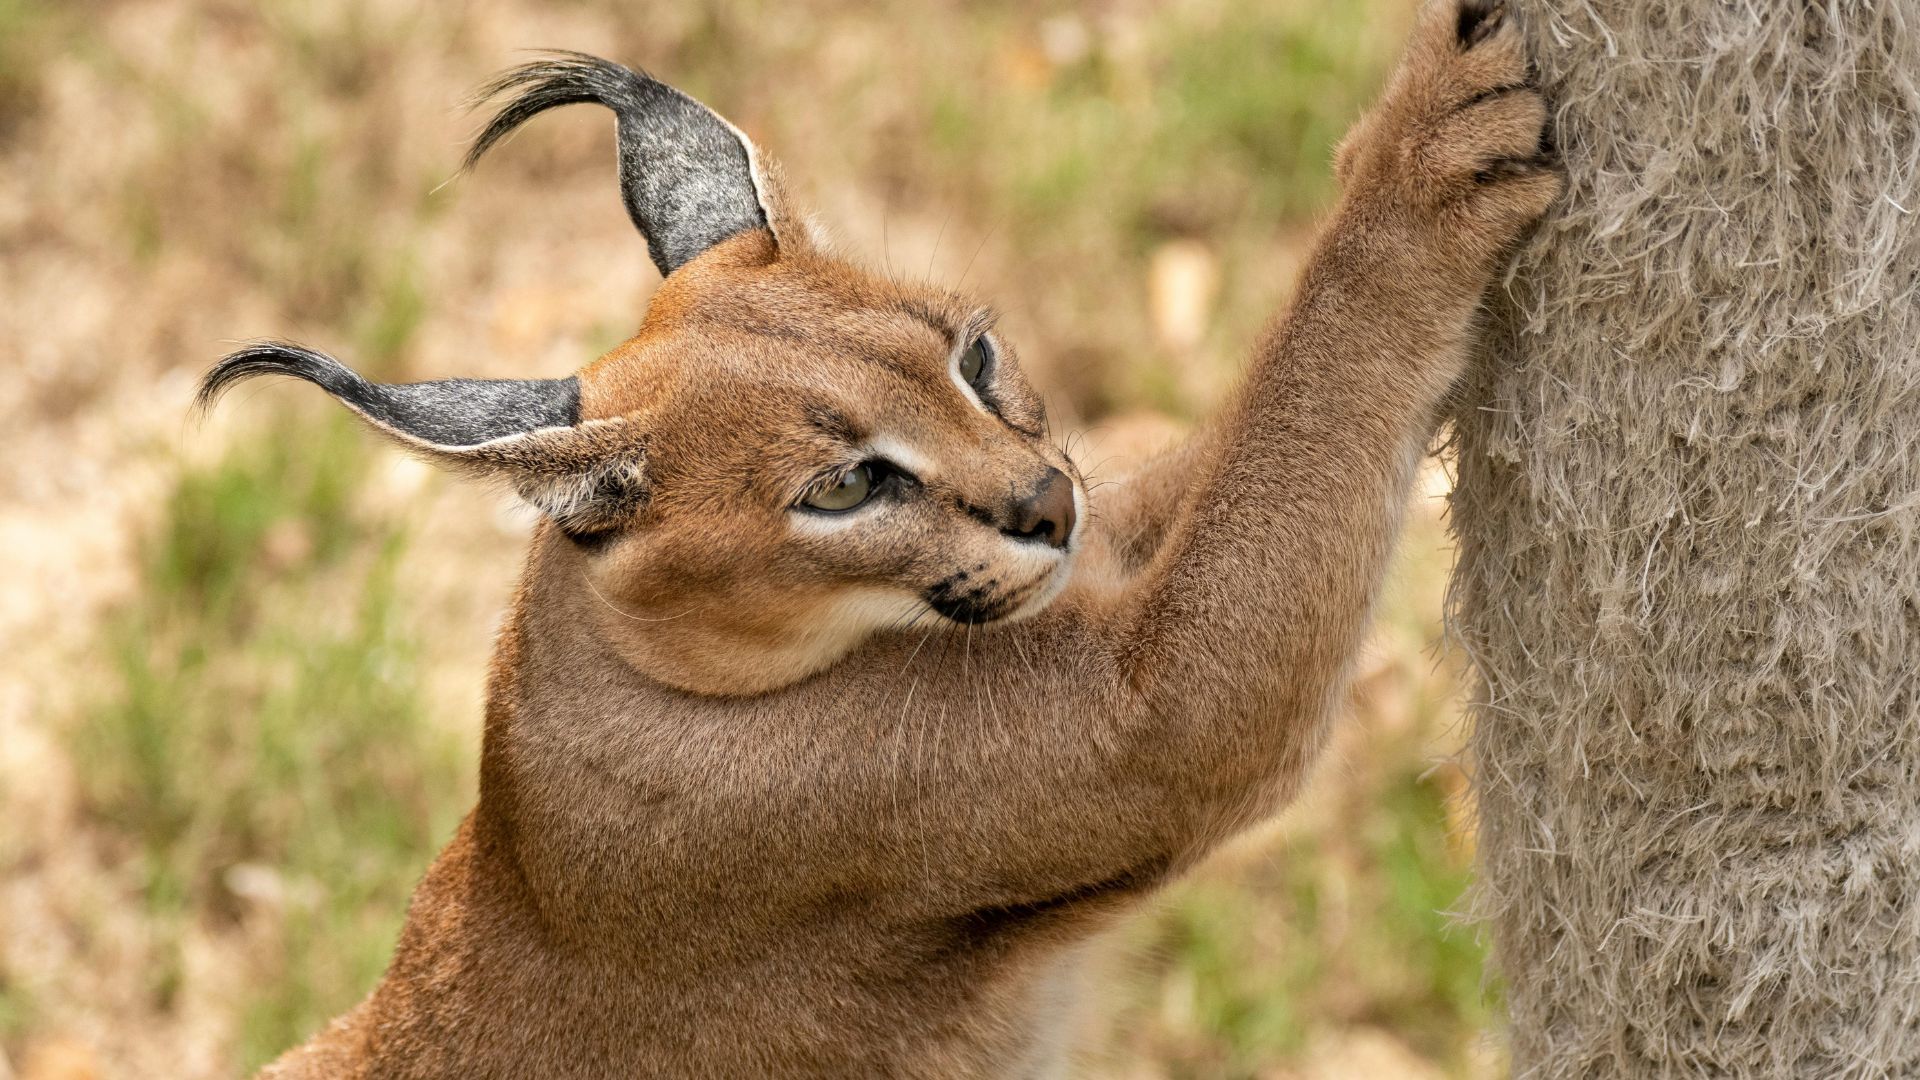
(273, 358)
(687, 176)
(588, 476)
(448, 414)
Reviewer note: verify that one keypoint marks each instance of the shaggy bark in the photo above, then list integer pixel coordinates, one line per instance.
(1689, 520)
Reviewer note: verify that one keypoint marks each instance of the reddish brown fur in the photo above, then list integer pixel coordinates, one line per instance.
(875, 857)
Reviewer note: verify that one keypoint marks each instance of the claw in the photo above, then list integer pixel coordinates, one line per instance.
(1492, 92)
(1479, 19)
(1508, 168)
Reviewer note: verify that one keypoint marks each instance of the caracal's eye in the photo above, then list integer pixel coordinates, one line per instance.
(852, 489)
(973, 362)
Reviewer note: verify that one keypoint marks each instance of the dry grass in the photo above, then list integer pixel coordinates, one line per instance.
(243, 661)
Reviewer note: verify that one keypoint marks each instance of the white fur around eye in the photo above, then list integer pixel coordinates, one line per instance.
(816, 524)
(900, 453)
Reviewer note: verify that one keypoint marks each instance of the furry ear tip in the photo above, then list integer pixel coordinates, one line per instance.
(687, 176)
(266, 358)
(554, 77)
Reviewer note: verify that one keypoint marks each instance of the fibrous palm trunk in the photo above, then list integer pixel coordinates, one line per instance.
(1688, 508)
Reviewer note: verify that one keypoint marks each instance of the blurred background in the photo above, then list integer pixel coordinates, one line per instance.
(242, 659)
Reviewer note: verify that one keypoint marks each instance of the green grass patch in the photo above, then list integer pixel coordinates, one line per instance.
(1246, 967)
(1422, 971)
(262, 744)
(16, 1009)
(31, 33)
(1214, 125)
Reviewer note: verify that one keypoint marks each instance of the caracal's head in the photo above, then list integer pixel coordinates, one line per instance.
(791, 455)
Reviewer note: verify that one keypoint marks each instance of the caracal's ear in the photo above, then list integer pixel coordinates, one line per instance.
(589, 476)
(689, 179)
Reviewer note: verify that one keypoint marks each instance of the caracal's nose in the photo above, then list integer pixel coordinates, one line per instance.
(1047, 514)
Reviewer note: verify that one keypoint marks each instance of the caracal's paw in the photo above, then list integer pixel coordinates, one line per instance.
(1457, 149)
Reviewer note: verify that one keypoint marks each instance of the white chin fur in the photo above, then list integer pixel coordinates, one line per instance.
(1035, 604)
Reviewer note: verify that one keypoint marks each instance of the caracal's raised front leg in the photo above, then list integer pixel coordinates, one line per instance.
(1239, 633)
(1115, 737)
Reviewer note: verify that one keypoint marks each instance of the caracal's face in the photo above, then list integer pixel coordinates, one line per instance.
(829, 455)
(790, 457)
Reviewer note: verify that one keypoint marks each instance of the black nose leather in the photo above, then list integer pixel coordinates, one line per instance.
(1047, 514)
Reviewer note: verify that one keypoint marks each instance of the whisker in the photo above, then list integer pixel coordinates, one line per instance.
(916, 652)
(976, 254)
(900, 726)
(936, 243)
(628, 614)
(926, 854)
(886, 235)
(1021, 648)
(999, 726)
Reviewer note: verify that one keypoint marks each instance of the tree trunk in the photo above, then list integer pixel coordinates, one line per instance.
(1688, 509)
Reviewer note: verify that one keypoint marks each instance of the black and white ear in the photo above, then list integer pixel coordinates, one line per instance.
(587, 476)
(689, 179)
